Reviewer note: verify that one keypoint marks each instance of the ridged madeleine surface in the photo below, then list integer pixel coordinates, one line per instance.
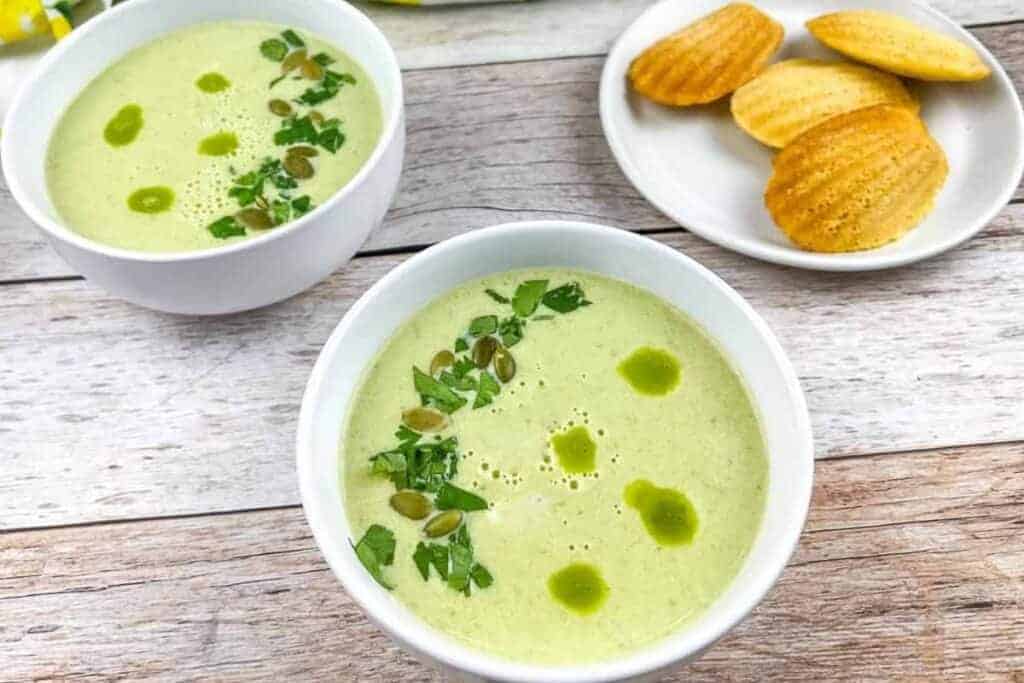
(898, 45)
(857, 181)
(709, 58)
(793, 96)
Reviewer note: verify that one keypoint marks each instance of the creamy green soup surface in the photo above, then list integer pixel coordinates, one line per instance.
(609, 471)
(209, 135)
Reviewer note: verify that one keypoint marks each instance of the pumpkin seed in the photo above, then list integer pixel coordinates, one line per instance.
(293, 61)
(261, 202)
(442, 360)
(410, 504)
(298, 167)
(312, 70)
(504, 364)
(443, 524)
(424, 420)
(303, 151)
(483, 351)
(316, 117)
(257, 219)
(279, 107)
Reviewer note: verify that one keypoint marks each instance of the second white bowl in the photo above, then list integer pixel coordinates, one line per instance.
(240, 276)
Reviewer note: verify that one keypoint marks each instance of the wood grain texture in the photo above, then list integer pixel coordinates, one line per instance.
(546, 29)
(911, 568)
(111, 411)
(487, 144)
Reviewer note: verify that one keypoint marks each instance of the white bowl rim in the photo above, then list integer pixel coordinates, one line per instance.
(432, 643)
(810, 260)
(58, 231)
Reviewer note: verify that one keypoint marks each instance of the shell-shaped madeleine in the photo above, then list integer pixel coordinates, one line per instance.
(707, 59)
(857, 181)
(793, 96)
(898, 45)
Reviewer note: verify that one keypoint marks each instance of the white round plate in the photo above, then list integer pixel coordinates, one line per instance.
(701, 170)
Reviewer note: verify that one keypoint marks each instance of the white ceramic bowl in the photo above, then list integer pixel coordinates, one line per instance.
(702, 171)
(239, 276)
(741, 333)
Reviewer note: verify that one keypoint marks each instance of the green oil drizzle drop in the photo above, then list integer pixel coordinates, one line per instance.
(576, 451)
(124, 127)
(579, 588)
(668, 515)
(212, 82)
(219, 144)
(151, 199)
(650, 371)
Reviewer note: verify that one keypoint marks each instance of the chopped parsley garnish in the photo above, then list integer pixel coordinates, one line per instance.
(485, 324)
(225, 227)
(327, 89)
(461, 345)
(511, 330)
(527, 297)
(414, 464)
(501, 299)
(487, 389)
(435, 394)
(323, 59)
(376, 550)
(274, 49)
(293, 38)
(451, 497)
(454, 563)
(303, 129)
(566, 298)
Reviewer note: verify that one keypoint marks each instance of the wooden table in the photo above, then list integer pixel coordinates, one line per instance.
(150, 519)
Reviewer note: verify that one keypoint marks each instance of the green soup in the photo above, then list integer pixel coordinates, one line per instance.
(209, 135)
(587, 504)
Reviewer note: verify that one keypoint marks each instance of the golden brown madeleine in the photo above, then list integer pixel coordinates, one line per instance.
(898, 45)
(709, 58)
(793, 96)
(856, 181)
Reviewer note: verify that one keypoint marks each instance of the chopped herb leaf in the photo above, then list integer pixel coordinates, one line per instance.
(527, 297)
(566, 298)
(277, 80)
(323, 59)
(274, 49)
(434, 393)
(331, 139)
(293, 38)
(511, 330)
(295, 130)
(439, 558)
(225, 227)
(465, 383)
(301, 205)
(496, 296)
(376, 549)
(280, 211)
(481, 577)
(422, 559)
(416, 465)
(485, 324)
(462, 366)
(461, 345)
(451, 497)
(489, 388)
(543, 317)
(406, 435)
(460, 550)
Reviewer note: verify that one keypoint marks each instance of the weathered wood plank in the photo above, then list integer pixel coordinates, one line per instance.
(911, 567)
(110, 411)
(545, 29)
(487, 144)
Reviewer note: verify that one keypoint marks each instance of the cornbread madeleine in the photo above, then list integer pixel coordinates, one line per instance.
(898, 45)
(795, 95)
(857, 181)
(708, 59)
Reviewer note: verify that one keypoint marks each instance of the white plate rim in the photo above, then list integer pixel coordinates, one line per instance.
(771, 253)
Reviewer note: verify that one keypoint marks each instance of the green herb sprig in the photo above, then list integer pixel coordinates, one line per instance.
(454, 562)
(376, 550)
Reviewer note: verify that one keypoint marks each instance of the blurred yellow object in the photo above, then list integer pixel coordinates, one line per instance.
(21, 19)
